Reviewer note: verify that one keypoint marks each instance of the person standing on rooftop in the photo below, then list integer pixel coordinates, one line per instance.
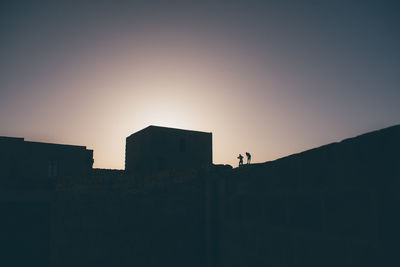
(240, 157)
(248, 155)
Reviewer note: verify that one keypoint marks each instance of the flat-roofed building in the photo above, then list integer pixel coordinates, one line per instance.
(157, 148)
(27, 163)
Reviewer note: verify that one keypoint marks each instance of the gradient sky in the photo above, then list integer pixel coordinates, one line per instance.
(269, 77)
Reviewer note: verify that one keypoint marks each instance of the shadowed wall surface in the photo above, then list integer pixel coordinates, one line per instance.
(25, 164)
(335, 205)
(157, 224)
(155, 149)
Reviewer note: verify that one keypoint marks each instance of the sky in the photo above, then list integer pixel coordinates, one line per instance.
(269, 77)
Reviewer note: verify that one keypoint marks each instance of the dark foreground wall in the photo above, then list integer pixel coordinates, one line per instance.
(25, 223)
(160, 225)
(98, 221)
(337, 205)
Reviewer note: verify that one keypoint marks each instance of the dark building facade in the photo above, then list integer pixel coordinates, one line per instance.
(335, 205)
(25, 163)
(159, 148)
(29, 176)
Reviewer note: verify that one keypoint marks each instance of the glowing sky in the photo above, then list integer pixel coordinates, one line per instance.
(270, 77)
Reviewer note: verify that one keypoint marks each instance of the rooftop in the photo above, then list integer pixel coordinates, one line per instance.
(153, 127)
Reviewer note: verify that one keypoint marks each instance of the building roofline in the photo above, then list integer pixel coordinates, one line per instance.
(54, 144)
(11, 138)
(21, 139)
(166, 128)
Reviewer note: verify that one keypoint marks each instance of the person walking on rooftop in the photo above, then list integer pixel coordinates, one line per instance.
(248, 155)
(240, 160)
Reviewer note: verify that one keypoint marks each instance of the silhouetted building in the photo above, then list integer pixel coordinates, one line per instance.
(335, 205)
(159, 148)
(24, 163)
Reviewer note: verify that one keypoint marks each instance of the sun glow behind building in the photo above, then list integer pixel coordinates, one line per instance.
(272, 79)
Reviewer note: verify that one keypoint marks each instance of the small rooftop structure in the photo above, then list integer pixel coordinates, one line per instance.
(157, 148)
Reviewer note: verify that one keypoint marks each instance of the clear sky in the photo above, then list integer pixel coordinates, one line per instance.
(269, 77)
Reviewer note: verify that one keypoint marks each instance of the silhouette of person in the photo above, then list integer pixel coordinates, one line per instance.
(240, 160)
(248, 155)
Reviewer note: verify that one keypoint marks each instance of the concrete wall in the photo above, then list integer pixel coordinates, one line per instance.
(25, 224)
(27, 188)
(152, 226)
(336, 205)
